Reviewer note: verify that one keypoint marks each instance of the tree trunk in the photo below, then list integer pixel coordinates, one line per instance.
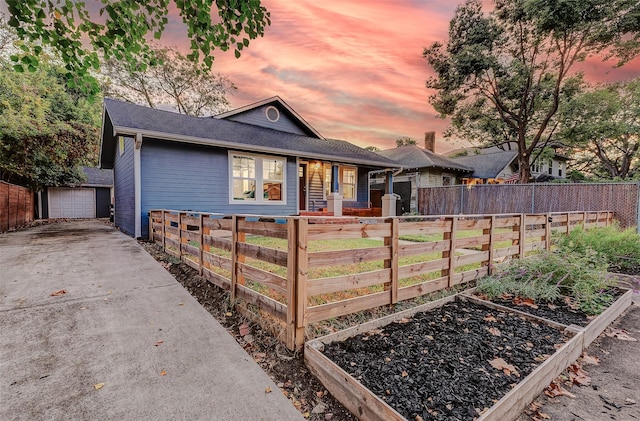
(525, 168)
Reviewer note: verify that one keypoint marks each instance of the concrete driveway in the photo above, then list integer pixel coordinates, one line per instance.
(124, 341)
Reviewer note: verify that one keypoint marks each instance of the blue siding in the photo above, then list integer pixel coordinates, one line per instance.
(190, 177)
(363, 185)
(124, 189)
(257, 117)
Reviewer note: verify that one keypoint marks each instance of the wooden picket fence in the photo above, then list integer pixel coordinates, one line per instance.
(297, 280)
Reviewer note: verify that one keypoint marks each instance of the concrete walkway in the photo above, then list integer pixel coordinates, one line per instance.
(124, 342)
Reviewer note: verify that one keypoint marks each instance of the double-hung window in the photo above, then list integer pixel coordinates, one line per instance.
(348, 182)
(257, 178)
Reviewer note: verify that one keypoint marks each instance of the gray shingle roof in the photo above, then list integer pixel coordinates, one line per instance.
(98, 177)
(487, 165)
(412, 156)
(123, 118)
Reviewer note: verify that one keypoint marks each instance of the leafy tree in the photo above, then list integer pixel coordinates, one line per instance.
(404, 141)
(603, 128)
(121, 29)
(504, 75)
(174, 80)
(46, 129)
(372, 148)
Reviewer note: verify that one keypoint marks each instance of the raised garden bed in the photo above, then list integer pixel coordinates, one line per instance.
(455, 358)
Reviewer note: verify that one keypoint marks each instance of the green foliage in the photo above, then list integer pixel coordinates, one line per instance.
(504, 75)
(603, 127)
(46, 129)
(620, 249)
(404, 141)
(121, 30)
(548, 275)
(174, 80)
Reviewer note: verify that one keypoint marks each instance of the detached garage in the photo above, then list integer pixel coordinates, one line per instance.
(91, 199)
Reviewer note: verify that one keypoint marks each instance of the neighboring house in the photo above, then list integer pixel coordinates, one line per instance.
(421, 167)
(262, 159)
(493, 165)
(91, 199)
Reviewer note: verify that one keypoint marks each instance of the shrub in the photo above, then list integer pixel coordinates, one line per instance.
(547, 275)
(620, 248)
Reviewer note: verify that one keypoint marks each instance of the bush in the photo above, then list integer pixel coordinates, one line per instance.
(619, 248)
(547, 275)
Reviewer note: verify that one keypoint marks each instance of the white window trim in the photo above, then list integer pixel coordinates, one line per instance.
(341, 168)
(259, 199)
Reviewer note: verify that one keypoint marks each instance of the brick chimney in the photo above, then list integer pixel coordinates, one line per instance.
(430, 141)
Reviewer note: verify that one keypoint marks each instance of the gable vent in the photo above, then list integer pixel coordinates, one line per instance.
(272, 114)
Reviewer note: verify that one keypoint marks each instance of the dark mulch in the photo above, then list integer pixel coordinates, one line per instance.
(562, 310)
(558, 311)
(437, 365)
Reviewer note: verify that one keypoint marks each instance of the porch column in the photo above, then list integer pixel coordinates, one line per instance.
(137, 185)
(389, 198)
(334, 201)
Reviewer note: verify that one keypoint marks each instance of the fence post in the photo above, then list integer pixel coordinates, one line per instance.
(302, 259)
(181, 226)
(150, 215)
(392, 263)
(292, 271)
(235, 259)
(523, 222)
(547, 233)
(164, 232)
(491, 246)
(201, 246)
(450, 254)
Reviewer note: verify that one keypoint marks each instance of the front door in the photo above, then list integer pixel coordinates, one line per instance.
(302, 188)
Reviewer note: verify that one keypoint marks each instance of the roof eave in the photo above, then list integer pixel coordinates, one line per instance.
(252, 148)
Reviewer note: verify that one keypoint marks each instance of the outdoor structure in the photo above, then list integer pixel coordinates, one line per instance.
(91, 199)
(300, 270)
(421, 167)
(493, 165)
(259, 159)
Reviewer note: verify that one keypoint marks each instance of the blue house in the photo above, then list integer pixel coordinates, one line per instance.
(262, 159)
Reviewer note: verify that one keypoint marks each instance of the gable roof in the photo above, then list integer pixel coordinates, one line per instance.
(126, 119)
(413, 156)
(282, 106)
(487, 165)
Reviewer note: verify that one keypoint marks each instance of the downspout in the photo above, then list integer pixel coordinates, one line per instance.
(137, 185)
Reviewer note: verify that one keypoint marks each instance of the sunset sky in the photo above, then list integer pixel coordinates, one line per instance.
(353, 69)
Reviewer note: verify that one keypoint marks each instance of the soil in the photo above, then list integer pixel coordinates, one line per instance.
(559, 311)
(452, 362)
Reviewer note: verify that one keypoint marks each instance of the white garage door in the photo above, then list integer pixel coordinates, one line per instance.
(72, 203)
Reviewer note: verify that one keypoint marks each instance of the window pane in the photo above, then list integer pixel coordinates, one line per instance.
(349, 183)
(244, 166)
(327, 180)
(272, 191)
(272, 169)
(244, 189)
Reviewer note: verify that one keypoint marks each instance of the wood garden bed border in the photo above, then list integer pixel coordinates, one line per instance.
(365, 405)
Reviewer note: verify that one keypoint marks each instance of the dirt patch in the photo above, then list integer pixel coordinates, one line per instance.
(286, 368)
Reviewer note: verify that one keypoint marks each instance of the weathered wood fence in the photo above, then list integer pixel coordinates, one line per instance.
(16, 206)
(621, 198)
(303, 270)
